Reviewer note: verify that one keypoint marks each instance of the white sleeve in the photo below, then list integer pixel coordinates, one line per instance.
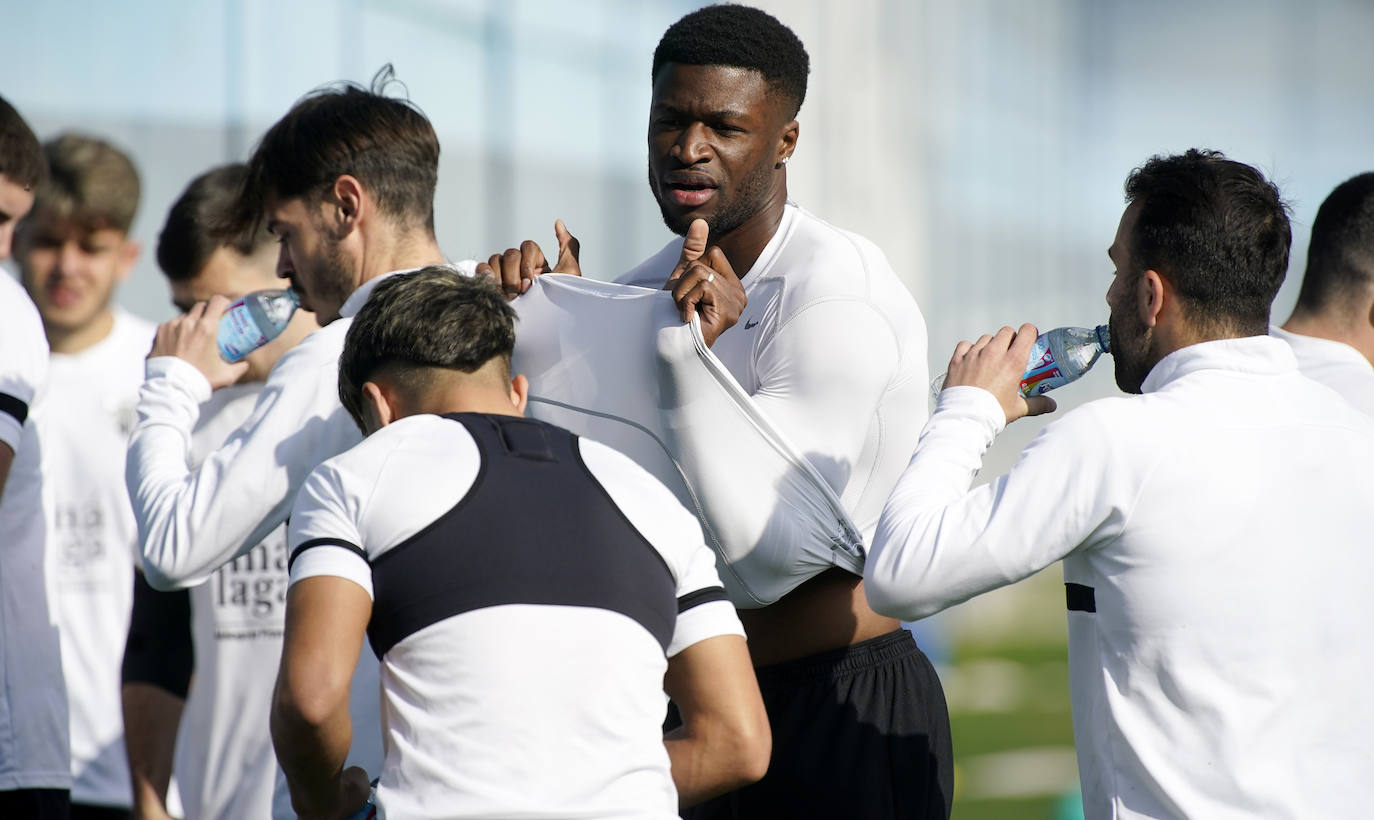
(703, 611)
(939, 543)
(190, 522)
(323, 536)
(821, 377)
(23, 360)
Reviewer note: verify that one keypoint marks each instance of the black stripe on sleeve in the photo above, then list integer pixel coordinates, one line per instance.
(1081, 598)
(14, 407)
(705, 595)
(323, 542)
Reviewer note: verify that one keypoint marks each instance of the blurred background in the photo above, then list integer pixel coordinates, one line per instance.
(981, 143)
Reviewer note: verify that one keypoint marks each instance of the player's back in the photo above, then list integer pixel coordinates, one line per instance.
(525, 592)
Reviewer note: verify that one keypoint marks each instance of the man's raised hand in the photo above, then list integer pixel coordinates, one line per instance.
(996, 363)
(192, 337)
(515, 269)
(704, 284)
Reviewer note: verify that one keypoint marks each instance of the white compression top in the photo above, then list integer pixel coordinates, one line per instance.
(527, 680)
(1215, 534)
(34, 748)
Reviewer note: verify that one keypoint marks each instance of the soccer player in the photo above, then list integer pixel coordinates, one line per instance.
(813, 323)
(74, 250)
(35, 757)
(1215, 529)
(227, 629)
(345, 181)
(1332, 327)
(530, 594)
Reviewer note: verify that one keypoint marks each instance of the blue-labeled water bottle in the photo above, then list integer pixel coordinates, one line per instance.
(253, 321)
(1058, 357)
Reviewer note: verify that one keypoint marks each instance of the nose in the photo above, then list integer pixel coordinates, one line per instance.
(68, 257)
(691, 146)
(284, 267)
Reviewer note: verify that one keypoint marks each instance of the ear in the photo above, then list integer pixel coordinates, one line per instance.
(1153, 291)
(379, 408)
(520, 392)
(787, 141)
(128, 255)
(349, 203)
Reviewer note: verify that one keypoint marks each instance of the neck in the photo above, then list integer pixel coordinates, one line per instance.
(465, 399)
(399, 251)
(743, 245)
(75, 340)
(1354, 333)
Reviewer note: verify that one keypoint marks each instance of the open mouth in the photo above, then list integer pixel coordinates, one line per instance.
(688, 190)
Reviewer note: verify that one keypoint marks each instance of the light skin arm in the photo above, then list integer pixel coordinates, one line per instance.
(6, 459)
(724, 741)
(151, 717)
(326, 619)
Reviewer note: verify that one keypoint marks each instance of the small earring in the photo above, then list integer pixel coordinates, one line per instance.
(778, 165)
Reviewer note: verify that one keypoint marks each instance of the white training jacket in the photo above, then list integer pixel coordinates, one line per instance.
(1216, 540)
(1335, 364)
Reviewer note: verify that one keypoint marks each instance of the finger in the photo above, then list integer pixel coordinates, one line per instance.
(486, 269)
(1039, 405)
(569, 249)
(961, 350)
(532, 263)
(694, 244)
(715, 257)
(193, 315)
(981, 343)
(1004, 338)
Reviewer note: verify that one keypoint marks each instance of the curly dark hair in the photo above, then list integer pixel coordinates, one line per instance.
(1217, 230)
(741, 37)
(414, 323)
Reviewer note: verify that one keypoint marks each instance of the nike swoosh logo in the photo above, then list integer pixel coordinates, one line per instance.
(748, 325)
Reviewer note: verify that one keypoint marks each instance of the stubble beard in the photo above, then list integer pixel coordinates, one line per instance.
(748, 199)
(1130, 352)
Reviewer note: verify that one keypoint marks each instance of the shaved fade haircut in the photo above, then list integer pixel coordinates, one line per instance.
(1340, 256)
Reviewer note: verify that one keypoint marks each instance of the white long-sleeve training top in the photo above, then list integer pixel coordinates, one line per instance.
(1216, 534)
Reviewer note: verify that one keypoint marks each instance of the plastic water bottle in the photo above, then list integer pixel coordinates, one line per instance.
(1057, 358)
(253, 321)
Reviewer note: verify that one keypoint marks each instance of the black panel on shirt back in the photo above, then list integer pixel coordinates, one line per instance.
(535, 528)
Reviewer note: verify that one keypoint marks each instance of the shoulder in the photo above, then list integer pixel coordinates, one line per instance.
(17, 312)
(319, 348)
(423, 441)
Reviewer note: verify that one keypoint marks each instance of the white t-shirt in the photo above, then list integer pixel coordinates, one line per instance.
(1334, 364)
(84, 429)
(34, 749)
(831, 348)
(225, 766)
(528, 587)
(1215, 534)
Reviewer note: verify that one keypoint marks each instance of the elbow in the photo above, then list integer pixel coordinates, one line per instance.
(887, 596)
(301, 705)
(754, 751)
(161, 577)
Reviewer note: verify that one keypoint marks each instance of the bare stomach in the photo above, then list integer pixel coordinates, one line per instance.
(829, 611)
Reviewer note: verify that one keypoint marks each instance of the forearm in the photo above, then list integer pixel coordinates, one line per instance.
(311, 749)
(705, 766)
(151, 718)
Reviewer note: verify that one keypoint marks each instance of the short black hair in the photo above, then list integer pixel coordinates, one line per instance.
(414, 322)
(387, 143)
(21, 154)
(1340, 256)
(189, 236)
(1218, 231)
(742, 37)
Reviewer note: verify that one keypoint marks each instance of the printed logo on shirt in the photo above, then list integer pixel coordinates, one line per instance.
(80, 538)
(751, 323)
(249, 592)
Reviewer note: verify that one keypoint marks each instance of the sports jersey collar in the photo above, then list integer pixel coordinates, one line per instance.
(355, 302)
(771, 250)
(1259, 355)
(1329, 348)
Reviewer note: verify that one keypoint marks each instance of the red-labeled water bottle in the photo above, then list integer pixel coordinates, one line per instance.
(1057, 358)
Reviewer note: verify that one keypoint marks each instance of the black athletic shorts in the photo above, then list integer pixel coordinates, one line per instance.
(859, 733)
(36, 804)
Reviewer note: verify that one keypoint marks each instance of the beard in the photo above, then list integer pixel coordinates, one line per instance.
(332, 282)
(1130, 351)
(747, 199)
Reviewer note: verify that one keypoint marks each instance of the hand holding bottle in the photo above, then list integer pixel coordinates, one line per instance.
(192, 337)
(997, 364)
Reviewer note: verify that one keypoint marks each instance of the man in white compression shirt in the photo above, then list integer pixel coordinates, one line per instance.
(74, 250)
(814, 325)
(1215, 530)
(345, 181)
(1331, 330)
(227, 629)
(531, 595)
(35, 755)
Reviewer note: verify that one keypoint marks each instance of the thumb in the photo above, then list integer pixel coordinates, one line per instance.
(694, 244)
(568, 248)
(1040, 405)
